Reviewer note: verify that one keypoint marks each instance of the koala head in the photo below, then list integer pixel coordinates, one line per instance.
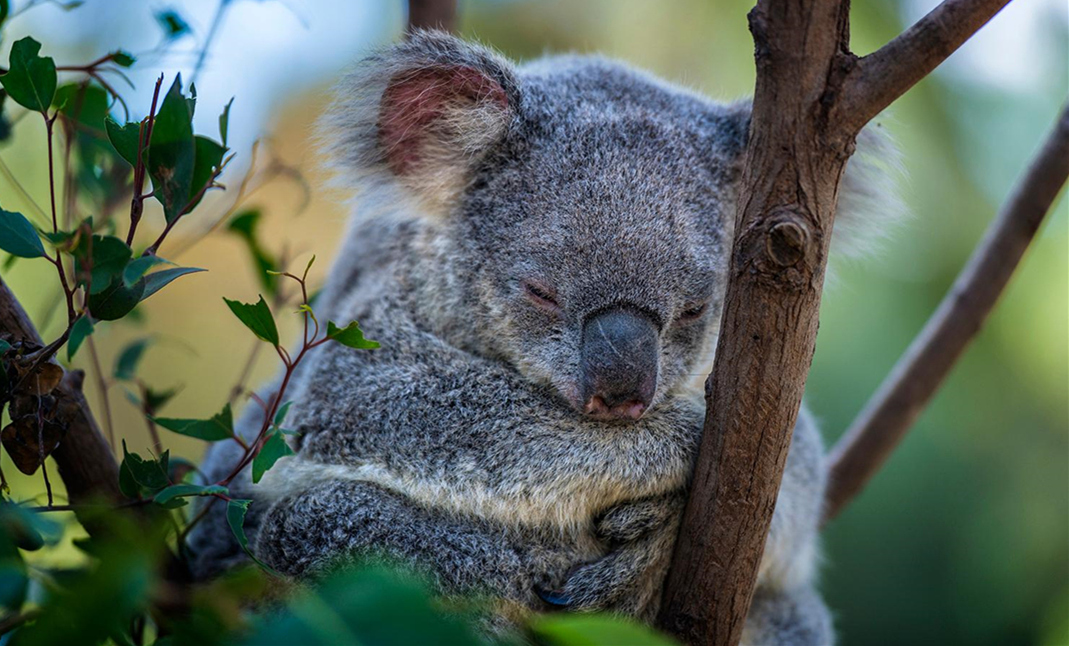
(578, 213)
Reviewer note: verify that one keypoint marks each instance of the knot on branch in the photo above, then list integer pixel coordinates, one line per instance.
(786, 243)
(783, 249)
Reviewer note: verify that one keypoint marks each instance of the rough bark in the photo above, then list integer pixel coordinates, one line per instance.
(85, 461)
(811, 99)
(910, 386)
(432, 14)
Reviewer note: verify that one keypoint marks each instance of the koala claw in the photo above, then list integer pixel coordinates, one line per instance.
(555, 599)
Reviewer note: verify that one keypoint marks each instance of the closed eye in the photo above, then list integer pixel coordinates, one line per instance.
(541, 295)
(692, 313)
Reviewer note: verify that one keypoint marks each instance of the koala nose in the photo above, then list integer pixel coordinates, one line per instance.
(618, 364)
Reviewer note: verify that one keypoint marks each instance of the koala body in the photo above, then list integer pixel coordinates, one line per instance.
(541, 251)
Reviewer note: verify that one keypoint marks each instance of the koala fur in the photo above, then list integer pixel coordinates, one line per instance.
(498, 208)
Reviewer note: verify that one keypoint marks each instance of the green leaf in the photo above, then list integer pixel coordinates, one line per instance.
(81, 329)
(125, 138)
(257, 317)
(219, 427)
(151, 475)
(245, 225)
(173, 25)
(156, 399)
(224, 121)
(209, 155)
(126, 364)
(30, 79)
(274, 448)
(171, 152)
(18, 237)
(116, 301)
(351, 335)
(104, 258)
(137, 268)
(5, 9)
(183, 490)
(595, 630)
(283, 410)
(157, 281)
(4, 347)
(85, 104)
(192, 100)
(123, 58)
(235, 517)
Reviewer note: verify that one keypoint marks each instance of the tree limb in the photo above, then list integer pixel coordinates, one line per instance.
(919, 373)
(886, 74)
(793, 164)
(432, 14)
(84, 459)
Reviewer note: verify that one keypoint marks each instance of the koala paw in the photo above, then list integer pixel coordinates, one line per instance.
(630, 521)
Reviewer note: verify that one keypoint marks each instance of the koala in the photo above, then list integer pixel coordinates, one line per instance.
(541, 250)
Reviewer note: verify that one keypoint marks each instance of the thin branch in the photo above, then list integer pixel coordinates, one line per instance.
(432, 14)
(85, 461)
(102, 386)
(886, 74)
(920, 371)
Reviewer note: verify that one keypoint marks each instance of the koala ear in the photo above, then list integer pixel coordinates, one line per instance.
(869, 205)
(422, 113)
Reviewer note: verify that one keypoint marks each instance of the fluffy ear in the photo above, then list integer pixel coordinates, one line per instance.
(422, 113)
(869, 204)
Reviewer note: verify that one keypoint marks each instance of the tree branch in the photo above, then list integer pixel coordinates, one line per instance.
(886, 74)
(794, 160)
(432, 14)
(84, 458)
(919, 373)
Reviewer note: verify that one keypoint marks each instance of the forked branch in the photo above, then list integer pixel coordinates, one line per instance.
(85, 460)
(920, 371)
(886, 74)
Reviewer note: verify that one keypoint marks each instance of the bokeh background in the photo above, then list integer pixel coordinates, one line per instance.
(963, 538)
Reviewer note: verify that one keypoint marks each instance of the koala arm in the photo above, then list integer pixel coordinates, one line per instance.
(335, 523)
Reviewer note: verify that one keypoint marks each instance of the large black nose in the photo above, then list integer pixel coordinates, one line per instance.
(618, 364)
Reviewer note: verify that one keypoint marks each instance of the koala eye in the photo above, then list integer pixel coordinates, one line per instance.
(692, 313)
(540, 295)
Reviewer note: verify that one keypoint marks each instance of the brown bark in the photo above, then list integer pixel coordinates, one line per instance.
(432, 14)
(810, 90)
(84, 459)
(885, 75)
(921, 370)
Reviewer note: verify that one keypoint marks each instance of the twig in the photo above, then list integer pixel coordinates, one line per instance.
(886, 74)
(220, 11)
(85, 461)
(6, 171)
(919, 373)
(432, 14)
(102, 386)
(16, 619)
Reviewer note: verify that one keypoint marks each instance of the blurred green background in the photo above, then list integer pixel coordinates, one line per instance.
(963, 538)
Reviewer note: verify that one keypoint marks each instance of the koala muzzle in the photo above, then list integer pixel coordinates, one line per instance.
(618, 364)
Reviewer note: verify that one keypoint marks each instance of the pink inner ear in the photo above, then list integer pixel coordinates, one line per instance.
(413, 101)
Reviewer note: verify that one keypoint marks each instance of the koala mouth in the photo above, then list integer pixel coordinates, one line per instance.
(618, 365)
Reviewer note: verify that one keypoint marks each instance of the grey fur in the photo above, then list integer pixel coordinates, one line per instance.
(457, 445)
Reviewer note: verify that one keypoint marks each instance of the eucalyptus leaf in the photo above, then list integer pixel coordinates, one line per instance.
(31, 79)
(80, 331)
(18, 237)
(257, 317)
(274, 447)
(219, 427)
(351, 335)
(125, 138)
(171, 152)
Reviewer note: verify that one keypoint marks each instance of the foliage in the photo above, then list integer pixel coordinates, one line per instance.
(129, 586)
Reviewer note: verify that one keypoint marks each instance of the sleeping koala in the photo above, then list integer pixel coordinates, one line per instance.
(541, 251)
